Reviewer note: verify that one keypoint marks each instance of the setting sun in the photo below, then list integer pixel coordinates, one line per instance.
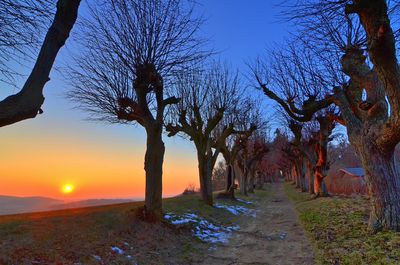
(67, 188)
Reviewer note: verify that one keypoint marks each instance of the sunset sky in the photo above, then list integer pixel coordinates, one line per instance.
(39, 156)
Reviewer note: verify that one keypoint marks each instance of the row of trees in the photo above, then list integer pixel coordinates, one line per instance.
(143, 62)
(343, 68)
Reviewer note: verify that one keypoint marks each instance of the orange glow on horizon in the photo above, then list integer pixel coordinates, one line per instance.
(37, 163)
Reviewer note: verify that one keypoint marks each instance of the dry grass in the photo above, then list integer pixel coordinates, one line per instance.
(338, 228)
(77, 236)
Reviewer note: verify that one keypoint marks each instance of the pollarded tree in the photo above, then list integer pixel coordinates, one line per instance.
(254, 149)
(207, 97)
(20, 23)
(361, 33)
(130, 51)
(279, 158)
(247, 118)
(298, 84)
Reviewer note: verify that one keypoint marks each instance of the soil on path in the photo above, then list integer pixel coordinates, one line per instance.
(273, 237)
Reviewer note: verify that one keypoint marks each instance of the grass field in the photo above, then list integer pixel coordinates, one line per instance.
(337, 227)
(107, 235)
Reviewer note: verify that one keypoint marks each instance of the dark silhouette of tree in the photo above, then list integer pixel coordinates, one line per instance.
(253, 151)
(19, 21)
(247, 120)
(22, 24)
(130, 51)
(208, 97)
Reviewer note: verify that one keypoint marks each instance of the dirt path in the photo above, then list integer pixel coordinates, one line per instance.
(274, 237)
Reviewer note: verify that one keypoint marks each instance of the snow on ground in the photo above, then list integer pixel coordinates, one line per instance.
(244, 201)
(119, 251)
(98, 258)
(203, 229)
(236, 209)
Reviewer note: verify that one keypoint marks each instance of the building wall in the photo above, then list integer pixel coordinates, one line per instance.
(342, 183)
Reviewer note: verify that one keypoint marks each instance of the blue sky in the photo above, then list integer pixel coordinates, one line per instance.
(240, 30)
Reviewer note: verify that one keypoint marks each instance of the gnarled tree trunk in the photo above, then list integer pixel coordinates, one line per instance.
(153, 163)
(319, 186)
(251, 178)
(303, 185)
(229, 177)
(205, 174)
(383, 181)
(310, 178)
(243, 182)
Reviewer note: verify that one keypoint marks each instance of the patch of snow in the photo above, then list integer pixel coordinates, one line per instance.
(252, 214)
(282, 235)
(98, 258)
(244, 201)
(167, 216)
(203, 229)
(117, 250)
(126, 244)
(236, 209)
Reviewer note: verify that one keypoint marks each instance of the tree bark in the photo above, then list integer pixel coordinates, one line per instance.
(303, 185)
(205, 174)
(297, 174)
(27, 103)
(383, 181)
(310, 178)
(229, 177)
(251, 178)
(243, 183)
(319, 187)
(153, 163)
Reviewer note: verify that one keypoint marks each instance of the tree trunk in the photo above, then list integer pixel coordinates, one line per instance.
(205, 174)
(229, 177)
(297, 174)
(311, 179)
(250, 178)
(153, 163)
(319, 186)
(229, 192)
(383, 181)
(303, 185)
(244, 183)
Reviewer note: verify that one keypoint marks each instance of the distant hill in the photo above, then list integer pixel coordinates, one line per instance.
(89, 203)
(16, 205)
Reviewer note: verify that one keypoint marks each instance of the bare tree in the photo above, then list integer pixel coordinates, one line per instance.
(371, 68)
(218, 176)
(299, 84)
(279, 158)
(254, 150)
(22, 22)
(130, 51)
(19, 20)
(247, 120)
(207, 97)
